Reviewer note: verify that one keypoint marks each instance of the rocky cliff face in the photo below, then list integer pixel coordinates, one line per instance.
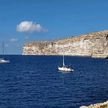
(98, 105)
(92, 44)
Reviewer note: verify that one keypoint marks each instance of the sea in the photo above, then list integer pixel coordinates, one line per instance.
(35, 82)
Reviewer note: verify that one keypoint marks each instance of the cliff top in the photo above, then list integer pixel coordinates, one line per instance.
(84, 37)
(99, 34)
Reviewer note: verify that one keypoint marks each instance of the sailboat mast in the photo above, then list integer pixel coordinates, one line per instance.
(3, 48)
(63, 61)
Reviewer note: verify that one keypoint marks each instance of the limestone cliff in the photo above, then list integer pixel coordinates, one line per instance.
(98, 105)
(91, 44)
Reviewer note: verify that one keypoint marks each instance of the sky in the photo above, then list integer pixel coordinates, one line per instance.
(24, 21)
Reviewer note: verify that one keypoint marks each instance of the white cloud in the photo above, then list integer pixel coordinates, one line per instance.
(29, 26)
(13, 39)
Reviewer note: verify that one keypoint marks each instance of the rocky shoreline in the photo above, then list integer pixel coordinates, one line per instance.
(98, 105)
(91, 44)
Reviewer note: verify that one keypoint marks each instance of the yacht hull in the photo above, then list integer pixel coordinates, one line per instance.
(4, 61)
(65, 69)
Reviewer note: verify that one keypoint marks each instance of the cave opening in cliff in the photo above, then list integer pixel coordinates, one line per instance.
(107, 37)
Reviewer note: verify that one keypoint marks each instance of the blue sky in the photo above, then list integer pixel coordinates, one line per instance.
(33, 20)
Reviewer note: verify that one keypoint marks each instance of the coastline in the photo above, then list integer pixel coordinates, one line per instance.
(98, 105)
(92, 44)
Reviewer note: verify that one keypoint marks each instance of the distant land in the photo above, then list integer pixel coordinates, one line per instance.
(92, 44)
(98, 105)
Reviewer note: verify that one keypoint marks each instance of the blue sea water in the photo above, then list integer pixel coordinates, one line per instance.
(34, 82)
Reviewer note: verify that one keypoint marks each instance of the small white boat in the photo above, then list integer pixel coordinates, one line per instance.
(65, 68)
(4, 61)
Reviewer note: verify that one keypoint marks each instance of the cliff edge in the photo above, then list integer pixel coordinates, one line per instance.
(91, 44)
(98, 105)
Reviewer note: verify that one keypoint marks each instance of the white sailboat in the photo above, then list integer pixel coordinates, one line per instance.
(2, 60)
(64, 68)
